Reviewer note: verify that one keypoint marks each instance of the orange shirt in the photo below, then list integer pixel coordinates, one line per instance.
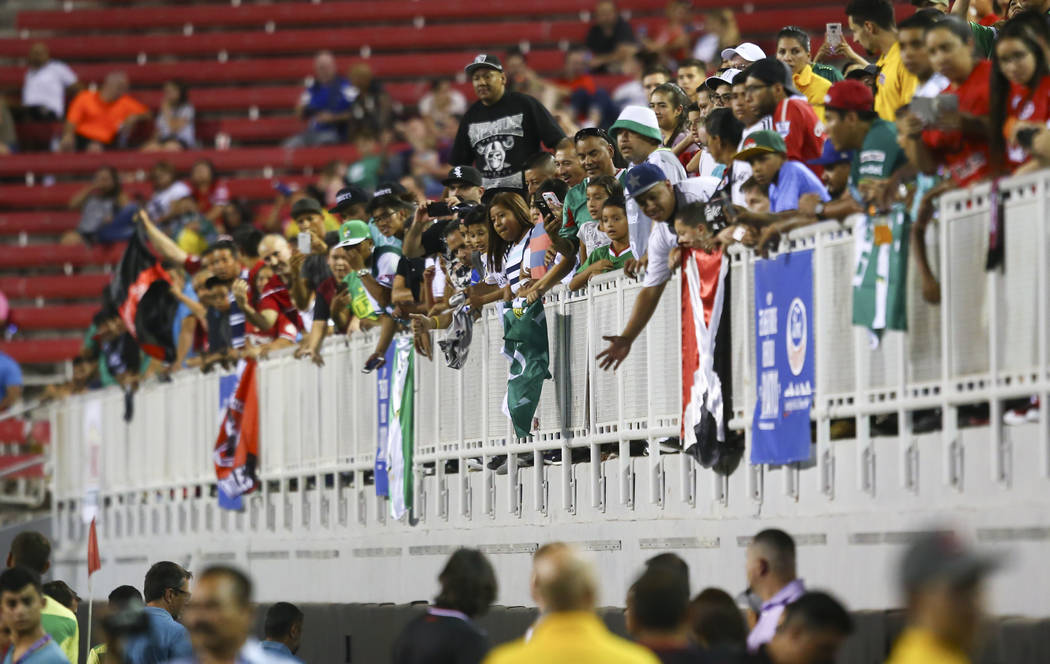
(95, 119)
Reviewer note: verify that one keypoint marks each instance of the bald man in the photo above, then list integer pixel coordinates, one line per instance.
(771, 575)
(270, 307)
(566, 589)
(324, 105)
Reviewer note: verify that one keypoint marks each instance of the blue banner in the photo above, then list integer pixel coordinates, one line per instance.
(784, 350)
(383, 417)
(227, 388)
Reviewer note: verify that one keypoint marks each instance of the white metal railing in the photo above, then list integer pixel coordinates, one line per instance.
(987, 340)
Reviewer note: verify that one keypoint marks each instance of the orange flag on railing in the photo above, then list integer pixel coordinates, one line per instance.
(93, 559)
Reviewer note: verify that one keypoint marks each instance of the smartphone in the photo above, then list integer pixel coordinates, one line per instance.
(1026, 136)
(373, 364)
(833, 35)
(438, 209)
(946, 104)
(923, 108)
(282, 188)
(551, 199)
(304, 243)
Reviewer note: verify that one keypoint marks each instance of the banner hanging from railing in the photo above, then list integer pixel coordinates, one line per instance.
(237, 446)
(784, 346)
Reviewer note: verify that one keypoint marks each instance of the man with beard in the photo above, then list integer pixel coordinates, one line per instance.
(502, 128)
(771, 95)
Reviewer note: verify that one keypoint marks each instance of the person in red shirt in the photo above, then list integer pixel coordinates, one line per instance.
(956, 140)
(212, 195)
(1019, 94)
(95, 118)
(769, 91)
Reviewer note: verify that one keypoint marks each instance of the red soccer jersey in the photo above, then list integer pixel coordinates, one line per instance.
(1025, 106)
(965, 158)
(802, 130)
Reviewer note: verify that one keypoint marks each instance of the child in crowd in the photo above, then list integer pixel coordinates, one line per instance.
(599, 190)
(614, 255)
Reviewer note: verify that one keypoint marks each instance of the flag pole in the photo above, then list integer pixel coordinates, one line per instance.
(91, 606)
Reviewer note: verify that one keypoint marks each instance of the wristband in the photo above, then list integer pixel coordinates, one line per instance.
(818, 211)
(435, 320)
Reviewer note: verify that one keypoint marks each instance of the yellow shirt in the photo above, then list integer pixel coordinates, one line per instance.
(917, 646)
(330, 224)
(97, 654)
(62, 625)
(895, 85)
(814, 87)
(578, 637)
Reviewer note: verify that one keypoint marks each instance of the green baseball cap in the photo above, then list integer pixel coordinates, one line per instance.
(758, 142)
(353, 232)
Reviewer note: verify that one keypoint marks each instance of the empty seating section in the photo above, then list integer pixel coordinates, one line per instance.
(244, 64)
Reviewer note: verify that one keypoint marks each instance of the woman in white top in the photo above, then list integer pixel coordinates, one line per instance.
(508, 242)
(175, 121)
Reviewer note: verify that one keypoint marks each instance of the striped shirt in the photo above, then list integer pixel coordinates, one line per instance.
(516, 255)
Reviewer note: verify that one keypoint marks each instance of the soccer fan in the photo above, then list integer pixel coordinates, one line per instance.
(167, 592)
(793, 51)
(500, 130)
(653, 77)
(220, 620)
(569, 631)
(464, 185)
(773, 99)
(45, 84)
(1018, 95)
(942, 580)
(174, 127)
(956, 142)
(31, 551)
(854, 125)
(324, 105)
(567, 166)
(446, 631)
(812, 630)
(350, 203)
(911, 36)
(657, 616)
(22, 601)
(599, 190)
(874, 28)
(613, 256)
(771, 574)
(724, 132)
(720, 87)
(598, 157)
(637, 134)
(741, 57)
(63, 594)
(741, 109)
(538, 168)
(657, 198)
(95, 118)
(610, 39)
(690, 76)
(669, 103)
(787, 180)
(332, 299)
(283, 631)
(368, 284)
(716, 622)
(10, 382)
(120, 598)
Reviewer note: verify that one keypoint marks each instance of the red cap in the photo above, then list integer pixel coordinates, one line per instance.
(849, 95)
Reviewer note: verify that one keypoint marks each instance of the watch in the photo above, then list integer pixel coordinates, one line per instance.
(818, 211)
(363, 272)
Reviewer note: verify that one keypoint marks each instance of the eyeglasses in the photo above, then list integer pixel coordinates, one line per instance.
(752, 89)
(727, 98)
(385, 215)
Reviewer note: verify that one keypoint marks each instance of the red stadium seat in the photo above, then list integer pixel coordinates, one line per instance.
(401, 65)
(224, 160)
(57, 196)
(58, 287)
(42, 351)
(38, 223)
(271, 129)
(54, 317)
(51, 255)
(327, 13)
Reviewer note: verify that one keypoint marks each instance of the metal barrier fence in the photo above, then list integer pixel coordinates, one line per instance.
(986, 341)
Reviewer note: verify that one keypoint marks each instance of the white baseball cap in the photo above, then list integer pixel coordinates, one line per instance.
(747, 50)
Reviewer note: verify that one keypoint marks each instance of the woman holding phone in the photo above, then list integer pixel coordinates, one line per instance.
(793, 51)
(1019, 96)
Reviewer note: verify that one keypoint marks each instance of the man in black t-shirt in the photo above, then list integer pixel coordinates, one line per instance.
(610, 40)
(500, 130)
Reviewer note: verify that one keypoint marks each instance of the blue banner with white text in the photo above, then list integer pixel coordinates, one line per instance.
(785, 358)
(383, 430)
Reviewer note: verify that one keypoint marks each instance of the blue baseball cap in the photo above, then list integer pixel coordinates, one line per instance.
(642, 178)
(831, 156)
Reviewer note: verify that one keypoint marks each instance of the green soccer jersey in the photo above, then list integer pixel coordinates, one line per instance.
(879, 156)
(607, 253)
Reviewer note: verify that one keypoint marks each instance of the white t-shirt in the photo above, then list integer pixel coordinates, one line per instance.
(707, 164)
(663, 239)
(47, 85)
(638, 224)
(932, 87)
(160, 204)
(765, 124)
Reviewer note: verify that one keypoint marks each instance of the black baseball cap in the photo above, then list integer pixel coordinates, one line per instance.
(484, 61)
(387, 194)
(942, 556)
(348, 196)
(770, 71)
(306, 205)
(467, 174)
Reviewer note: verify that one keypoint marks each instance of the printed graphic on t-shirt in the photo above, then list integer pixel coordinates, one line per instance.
(493, 140)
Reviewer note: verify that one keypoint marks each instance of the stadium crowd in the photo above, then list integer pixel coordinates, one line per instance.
(546, 182)
(180, 617)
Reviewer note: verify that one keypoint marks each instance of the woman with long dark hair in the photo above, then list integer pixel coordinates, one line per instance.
(669, 102)
(1019, 91)
(510, 226)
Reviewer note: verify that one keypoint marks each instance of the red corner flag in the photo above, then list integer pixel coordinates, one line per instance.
(93, 560)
